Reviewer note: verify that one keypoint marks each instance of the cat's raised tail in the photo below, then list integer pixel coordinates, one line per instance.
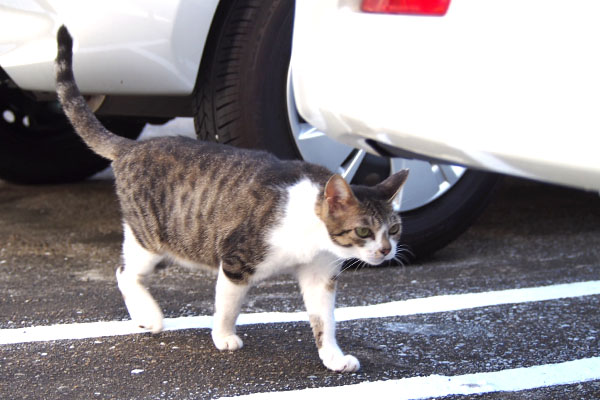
(95, 135)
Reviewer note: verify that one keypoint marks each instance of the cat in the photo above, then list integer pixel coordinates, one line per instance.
(245, 213)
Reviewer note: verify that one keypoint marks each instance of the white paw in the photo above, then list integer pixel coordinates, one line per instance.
(339, 362)
(150, 319)
(145, 313)
(143, 309)
(227, 342)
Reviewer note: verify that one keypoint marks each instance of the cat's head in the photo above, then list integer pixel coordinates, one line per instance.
(360, 220)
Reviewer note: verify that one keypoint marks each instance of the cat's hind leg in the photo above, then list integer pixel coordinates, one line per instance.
(228, 302)
(138, 263)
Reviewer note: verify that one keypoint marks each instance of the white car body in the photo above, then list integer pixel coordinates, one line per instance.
(510, 86)
(154, 47)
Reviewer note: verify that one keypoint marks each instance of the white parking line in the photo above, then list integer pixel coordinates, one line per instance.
(509, 380)
(425, 305)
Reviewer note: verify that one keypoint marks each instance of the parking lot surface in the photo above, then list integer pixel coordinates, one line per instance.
(508, 311)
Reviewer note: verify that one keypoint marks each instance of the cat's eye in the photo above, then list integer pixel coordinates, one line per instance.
(363, 232)
(394, 229)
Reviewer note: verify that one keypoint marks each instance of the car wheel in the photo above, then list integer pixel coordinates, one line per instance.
(38, 144)
(244, 98)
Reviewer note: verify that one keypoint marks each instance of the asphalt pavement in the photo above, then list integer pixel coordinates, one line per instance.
(518, 294)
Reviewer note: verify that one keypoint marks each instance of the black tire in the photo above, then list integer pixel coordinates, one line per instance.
(431, 227)
(241, 100)
(39, 146)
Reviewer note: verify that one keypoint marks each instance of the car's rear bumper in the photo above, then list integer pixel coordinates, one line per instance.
(509, 86)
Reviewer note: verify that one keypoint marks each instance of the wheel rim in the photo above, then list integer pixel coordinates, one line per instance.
(426, 182)
(28, 119)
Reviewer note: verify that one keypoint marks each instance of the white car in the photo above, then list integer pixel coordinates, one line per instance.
(435, 90)
(509, 86)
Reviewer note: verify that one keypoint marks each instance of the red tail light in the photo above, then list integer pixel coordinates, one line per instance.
(414, 7)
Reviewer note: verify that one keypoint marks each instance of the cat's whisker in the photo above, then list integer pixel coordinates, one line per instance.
(347, 267)
(403, 255)
(404, 248)
(339, 273)
(337, 262)
(360, 265)
(400, 261)
(335, 265)
(356, 265)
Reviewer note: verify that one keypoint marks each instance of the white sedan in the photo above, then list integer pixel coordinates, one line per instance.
(476, 85)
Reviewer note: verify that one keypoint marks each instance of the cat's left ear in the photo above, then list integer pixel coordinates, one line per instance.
(392, 184)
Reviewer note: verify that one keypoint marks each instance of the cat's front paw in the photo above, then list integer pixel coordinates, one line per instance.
(227, 341)
(339, 362)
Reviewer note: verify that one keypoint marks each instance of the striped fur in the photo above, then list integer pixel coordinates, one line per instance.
(95, 135)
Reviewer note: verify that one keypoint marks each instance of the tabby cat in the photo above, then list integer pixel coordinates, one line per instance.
(242, 212)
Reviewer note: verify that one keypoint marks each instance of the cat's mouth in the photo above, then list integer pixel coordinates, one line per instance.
(375, 260)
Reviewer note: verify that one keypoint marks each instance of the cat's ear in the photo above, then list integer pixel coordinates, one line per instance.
(392, 184)
(338, 195)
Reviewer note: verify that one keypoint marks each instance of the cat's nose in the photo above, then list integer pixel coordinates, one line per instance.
(385, 250)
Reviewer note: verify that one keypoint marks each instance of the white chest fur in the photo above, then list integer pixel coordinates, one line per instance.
(300, 237)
